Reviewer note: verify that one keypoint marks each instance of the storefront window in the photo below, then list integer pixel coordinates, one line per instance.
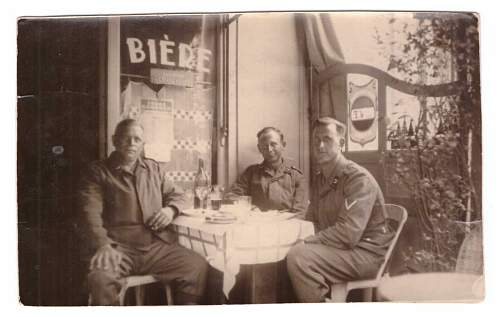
(168, 83)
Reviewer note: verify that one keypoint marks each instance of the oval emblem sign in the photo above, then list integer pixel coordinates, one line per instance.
(362, 113)
(362, 116)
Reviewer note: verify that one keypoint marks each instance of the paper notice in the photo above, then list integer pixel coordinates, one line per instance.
(156, 116)
(158, 122)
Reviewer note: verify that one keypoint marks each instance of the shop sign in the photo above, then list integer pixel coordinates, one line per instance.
(363, 112)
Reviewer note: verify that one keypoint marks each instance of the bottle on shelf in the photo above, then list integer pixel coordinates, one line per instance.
(395, 144)
(201, 186)
(412, 135)
(405, 129)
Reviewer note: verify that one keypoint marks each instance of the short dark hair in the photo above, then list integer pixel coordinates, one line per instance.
(340, 128)
(124, 124)
(269, 129)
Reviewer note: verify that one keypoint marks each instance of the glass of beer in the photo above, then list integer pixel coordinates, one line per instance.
(216, 197)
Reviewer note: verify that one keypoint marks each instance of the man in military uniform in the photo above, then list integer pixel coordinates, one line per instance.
(347, 208)
(127, 203)
(274, 184)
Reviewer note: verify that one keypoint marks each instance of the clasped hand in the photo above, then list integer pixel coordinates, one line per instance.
(161, 219)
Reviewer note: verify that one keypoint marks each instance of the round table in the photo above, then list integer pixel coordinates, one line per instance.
(432, 287)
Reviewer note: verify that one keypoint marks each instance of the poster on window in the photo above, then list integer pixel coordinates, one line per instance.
(143, 104)
(168, 78)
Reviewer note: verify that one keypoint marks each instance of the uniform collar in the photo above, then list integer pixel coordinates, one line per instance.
(334, 168)
(284, 167)
(113, 161)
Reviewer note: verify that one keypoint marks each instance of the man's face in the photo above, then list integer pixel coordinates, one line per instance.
(327, 143)
(270, 146)
(129, 143)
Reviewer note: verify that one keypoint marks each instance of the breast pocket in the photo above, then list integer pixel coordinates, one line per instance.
(150, 194)
(118, 199)
(256, 187)
(286, 182)
(281, 191)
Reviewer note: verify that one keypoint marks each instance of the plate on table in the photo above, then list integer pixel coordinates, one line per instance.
(197, 213)
(271, 216)
(221, 218)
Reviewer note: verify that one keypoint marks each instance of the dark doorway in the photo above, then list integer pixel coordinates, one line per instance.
(61, 91)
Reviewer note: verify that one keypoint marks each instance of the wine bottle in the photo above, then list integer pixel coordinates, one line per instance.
(201, 186)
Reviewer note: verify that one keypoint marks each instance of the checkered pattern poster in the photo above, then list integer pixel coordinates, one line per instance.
(168, 73)
(177, 123)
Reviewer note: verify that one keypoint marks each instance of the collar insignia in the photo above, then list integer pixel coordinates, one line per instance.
(334, 182)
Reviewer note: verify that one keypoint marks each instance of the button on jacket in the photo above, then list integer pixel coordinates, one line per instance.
(116, 204)
(283, 189)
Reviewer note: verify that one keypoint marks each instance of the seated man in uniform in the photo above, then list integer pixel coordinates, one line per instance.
(274, 184)
(127, 204)
(347, 209)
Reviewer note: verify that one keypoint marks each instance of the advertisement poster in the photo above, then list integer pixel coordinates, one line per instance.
(168, 84)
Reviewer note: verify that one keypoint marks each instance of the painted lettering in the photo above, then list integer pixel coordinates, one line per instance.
(137, 54)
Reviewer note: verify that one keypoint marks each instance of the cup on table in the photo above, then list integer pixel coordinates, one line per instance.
(216, 197)
(244, 203)
(189, 194)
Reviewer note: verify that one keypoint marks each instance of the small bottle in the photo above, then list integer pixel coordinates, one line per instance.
(201, 186)
(397, 138)
(412, 135)
(405, 129)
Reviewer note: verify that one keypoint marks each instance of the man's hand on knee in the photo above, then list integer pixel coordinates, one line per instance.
(106, 258)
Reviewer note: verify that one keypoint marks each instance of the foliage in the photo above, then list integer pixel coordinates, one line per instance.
(435, 165)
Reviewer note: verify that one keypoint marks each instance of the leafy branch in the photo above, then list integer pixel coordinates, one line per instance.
(436, 168)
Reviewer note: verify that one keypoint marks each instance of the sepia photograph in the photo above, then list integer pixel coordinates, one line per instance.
(249, 158)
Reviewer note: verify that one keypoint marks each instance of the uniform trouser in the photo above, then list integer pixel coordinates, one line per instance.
(183, 269)
(313, 268)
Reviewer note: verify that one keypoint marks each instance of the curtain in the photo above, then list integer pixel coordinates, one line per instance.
(323, 51)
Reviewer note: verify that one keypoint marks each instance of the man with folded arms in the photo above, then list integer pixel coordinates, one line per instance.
(127, 204)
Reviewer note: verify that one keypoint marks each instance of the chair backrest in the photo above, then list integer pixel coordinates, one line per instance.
(470, 255)
(399, 215)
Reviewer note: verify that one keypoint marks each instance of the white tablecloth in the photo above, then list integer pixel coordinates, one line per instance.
(261, 238)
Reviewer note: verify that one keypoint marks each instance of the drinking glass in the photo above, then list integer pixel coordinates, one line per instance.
(244, 203)
(242, 207)
(216, 197)
(189, 194)
(202, 194)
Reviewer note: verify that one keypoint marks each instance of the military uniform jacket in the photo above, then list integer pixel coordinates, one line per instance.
(347, 208)
(283, 189)
(115, 210)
